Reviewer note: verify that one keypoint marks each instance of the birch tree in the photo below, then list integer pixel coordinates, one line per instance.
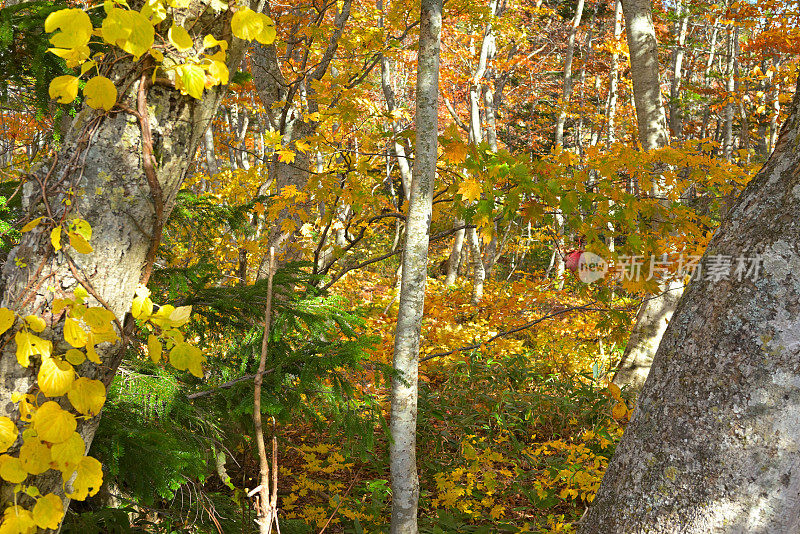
(655, 312)
(403, 426)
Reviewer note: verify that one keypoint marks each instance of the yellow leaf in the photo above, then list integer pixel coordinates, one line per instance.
(87, 395)
(75, 357)
(7, 319)
(75, 28)
(53, 424)
(142, 306)
(88, 481)
(209, 41)
(11, 469)
(26, 406)
(80, 294)
(73, 56)
(129, 30)
(48, 511)
(218, 70)
(17, 520)
(81, 227)
(180, 316)
(614, 390)
(191, 80)
(55, 377)
(74, 333)
(64, 89)
(100, 93)
(184, 356)
(179, 38)
(99, 319)
(154, 11)
(8, 433)
(286, 156)
(619, 410)
(33, 224)
(34, 456)
(470, 190)
(35, 323)
(55, 237)
(67, 455)
(154, 348)
(247, 24)
(267, 34)
(91, 354)
(78, 242)
(28, 345)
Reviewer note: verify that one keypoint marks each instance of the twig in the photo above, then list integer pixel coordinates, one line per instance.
(265, 513)
(587, 307)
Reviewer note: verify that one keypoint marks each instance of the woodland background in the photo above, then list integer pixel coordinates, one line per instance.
(311, 149)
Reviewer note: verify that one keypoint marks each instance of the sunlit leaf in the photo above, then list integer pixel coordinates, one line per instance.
(55, 377)
(67, 455)
(48, 511)
(179, 37)
(35, 323)
(100, 93)
(64, 89)
(7, 319)
(11, 469)
(75, 28)
(53, 424)
(154, 348)
(88, 480)
(87, 395)
(34, 456)
(8, 433)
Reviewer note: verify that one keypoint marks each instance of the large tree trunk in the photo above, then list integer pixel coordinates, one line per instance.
(101, 168)
(402, 449)
(713, 444)
(656, 311)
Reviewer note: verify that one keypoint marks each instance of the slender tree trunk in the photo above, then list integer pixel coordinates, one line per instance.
(402, 449)
(567, 92)
(455, 255)
(478, 271)
(613, 78)
(656, 311)
(675, 111)
(730, 105)
(712, 445)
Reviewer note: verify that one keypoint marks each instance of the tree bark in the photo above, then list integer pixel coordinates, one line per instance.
(712, 446)
(403, 426)
(675, 111)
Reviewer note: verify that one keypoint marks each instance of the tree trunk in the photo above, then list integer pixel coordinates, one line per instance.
(712, 446)
(403, 426)
(567, 92)
(613, 78)
(478, 272)
(655, 312)
(675, 112)
(455, 255)
(727, 136)
(127, 171)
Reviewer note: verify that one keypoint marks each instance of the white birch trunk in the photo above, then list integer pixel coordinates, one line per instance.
(403, 426)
